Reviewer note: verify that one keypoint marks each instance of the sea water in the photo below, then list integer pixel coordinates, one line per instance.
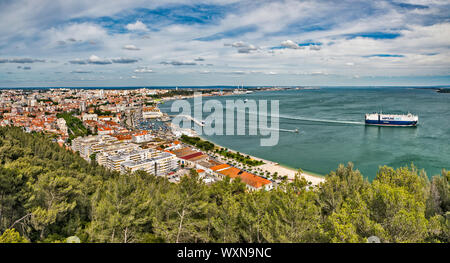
(331, 128)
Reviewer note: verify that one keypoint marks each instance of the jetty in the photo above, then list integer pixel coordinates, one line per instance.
(199, 123)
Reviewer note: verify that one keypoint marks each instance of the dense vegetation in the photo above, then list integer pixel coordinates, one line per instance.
(197, 142)
(48, 194)
(208, 146)
(103, 113)
(75, 125)
(239, 157)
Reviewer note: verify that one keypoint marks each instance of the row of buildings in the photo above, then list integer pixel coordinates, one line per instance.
(123, 156)
(101, 111)
(207, 165)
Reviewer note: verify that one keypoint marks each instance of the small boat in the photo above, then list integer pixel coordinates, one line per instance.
(296, 130)
(245, 100)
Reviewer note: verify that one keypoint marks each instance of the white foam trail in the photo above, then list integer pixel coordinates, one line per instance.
(283, 130)
(313, 119)
(321, 120)
(310, 119)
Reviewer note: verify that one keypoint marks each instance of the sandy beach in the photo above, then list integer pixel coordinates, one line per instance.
(273, 167)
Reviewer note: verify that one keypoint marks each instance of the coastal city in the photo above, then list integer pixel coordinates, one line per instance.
(125, 131)
(224, 131)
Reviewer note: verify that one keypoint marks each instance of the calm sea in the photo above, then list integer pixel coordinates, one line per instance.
(331, 129)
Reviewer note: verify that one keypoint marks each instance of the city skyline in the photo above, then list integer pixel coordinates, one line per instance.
(190, 43)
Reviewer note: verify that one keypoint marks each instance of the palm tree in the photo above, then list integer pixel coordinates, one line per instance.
(275, 176)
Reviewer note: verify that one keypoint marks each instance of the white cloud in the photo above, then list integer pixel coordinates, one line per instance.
(138, 26)
(45, 29)
(20, 60)
(290, 44)
(178, 63)
(75, 33)
(124, 60)
(143, 70)
(93, 59)
(130, 47)
(239, 44)
(243, 47)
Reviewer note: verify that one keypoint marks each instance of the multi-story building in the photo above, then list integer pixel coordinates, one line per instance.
(151, 112)
(104, 130)
(113, 162)
(142, 136)
(61, 123)
(92, 144)
(158, 166)
(114, 149)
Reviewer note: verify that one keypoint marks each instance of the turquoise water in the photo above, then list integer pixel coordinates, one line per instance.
(330, 121)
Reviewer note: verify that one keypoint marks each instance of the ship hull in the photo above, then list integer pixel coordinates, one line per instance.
(392, 123)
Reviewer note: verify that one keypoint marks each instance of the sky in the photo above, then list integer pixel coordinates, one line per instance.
(76, 43)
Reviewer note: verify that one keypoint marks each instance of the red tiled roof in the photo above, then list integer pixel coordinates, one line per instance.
(219, 167)
(253, 180)
(231, 172)
(139, 133)
(103, 128)
(190, 156)
(248, 178)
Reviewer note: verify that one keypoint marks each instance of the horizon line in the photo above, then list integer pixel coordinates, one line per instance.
(231, 86)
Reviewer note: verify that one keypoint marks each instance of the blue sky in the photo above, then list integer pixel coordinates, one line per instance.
(227, 42)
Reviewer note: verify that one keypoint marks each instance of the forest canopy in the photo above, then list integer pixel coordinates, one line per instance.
(48, 193)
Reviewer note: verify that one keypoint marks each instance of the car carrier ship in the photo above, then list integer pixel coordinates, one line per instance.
(401, 120)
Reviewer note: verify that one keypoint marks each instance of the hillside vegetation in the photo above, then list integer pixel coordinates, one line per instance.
(48, 194)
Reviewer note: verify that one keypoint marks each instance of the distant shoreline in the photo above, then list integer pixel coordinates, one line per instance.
(223, 86)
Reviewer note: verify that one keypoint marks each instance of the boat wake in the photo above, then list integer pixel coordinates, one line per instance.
(299, 118)
(320, 120)
(282, 130)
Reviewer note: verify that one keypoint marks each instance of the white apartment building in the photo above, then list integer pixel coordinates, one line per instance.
(151, 112)
(113, 162)
(158, 166)
(61, 123)
(115, 149)
(92, 144)
(143, 136)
